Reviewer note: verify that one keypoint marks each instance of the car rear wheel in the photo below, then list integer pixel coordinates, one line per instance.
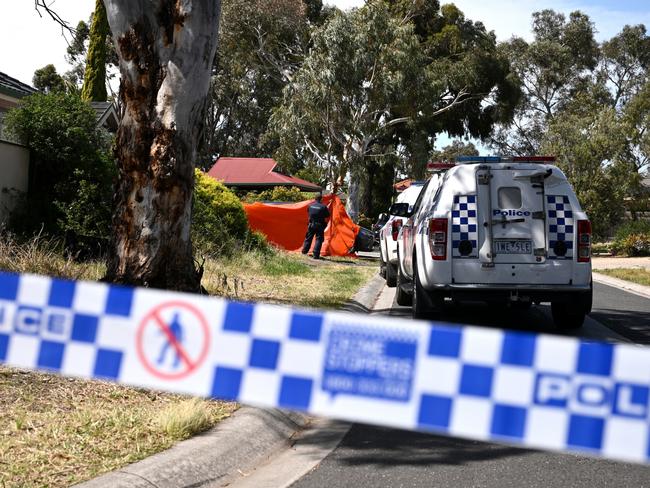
(567, 315)
(402, 296)
(423, 306)
(391, 275)
(382, 264)
(571, 315)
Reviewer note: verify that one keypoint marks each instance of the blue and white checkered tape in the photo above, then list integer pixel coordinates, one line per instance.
(535, 390)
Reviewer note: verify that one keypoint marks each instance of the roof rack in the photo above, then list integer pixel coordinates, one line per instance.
(499, 159)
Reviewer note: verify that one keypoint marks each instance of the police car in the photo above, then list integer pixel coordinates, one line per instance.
(498, 230)
(389, 233)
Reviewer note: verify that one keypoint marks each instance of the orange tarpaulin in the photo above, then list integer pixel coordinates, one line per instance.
(285, 225)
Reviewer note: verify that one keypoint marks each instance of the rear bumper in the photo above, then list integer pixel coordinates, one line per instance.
(535, 293)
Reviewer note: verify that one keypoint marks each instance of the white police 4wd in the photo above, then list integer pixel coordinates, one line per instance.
(390, 231)
(500, 230)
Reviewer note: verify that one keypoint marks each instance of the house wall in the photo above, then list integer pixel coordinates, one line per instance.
(14, 176)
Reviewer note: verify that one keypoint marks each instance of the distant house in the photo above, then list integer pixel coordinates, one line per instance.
(14, 157)
(255, 174)
(106, 115)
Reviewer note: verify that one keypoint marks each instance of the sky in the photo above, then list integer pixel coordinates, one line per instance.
(30, 42)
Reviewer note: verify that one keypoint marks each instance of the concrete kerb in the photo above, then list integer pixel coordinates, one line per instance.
(232, 448)
(641, 290)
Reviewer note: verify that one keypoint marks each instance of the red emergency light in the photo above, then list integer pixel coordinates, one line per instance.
(436, 165)
(536, 159)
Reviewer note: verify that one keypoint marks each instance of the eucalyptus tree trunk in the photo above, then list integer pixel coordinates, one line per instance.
(165, 49)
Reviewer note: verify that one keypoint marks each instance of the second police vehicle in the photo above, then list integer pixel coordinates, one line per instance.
(497, 230)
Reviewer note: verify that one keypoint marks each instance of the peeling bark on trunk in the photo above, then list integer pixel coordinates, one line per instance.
(165, 48)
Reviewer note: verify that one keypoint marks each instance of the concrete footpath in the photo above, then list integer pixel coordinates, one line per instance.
(236, 446)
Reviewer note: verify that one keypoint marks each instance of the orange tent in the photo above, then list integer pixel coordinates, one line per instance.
(285, 225)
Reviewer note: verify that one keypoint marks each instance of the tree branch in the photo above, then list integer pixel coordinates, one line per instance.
(41, 5)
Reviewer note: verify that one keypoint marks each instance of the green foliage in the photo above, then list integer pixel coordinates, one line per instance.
(453, 150)
(219, 224)
(47, 80)
(550, 68)
(94, 86)
(278, 194)
(588, 141)
(632, 227)
(261, 44)
(385, 78)
(633, 245)
(72, 170)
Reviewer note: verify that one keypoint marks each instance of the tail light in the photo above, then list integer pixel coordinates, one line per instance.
(395, 227)
(438, 239)
(584, 241)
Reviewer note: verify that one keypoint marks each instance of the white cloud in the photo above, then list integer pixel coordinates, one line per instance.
(30, 42)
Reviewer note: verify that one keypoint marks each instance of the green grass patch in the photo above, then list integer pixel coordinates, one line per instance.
(635, 275)
(289, 278)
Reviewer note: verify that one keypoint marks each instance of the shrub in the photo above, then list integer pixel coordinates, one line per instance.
(278, 194)
(633, 239)
(219, 223)
(72, 170)
(632, 227)
(633, 245)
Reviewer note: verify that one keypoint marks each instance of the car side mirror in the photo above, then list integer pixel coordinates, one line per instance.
(400, 209)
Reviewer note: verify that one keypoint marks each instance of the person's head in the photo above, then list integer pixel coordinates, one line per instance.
(319, 198)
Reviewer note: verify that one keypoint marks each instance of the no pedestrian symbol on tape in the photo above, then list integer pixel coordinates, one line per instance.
(173, 340)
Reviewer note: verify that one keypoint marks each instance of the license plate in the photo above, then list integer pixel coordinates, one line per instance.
(513, 247)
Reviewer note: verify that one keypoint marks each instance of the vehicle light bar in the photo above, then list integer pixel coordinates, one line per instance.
(535, 159)
(478, 159)
(438, 165)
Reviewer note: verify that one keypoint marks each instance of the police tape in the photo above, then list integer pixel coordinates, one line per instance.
(529, 389)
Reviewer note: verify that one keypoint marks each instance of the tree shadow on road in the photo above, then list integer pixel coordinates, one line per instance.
(389, 447)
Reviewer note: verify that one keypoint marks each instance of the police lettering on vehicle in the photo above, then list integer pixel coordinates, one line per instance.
(510, 213)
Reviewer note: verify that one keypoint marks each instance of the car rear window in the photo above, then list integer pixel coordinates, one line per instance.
(509, 197)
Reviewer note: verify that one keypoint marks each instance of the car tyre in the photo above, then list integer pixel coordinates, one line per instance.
(567, 315)
(571, 315)
(402, 297)
(391, 275)
(423, 305)
(382, 265)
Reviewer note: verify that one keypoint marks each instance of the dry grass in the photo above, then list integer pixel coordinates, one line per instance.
(43, 255)
(288, 278)
(639, 276)
(57, 431)
(184, 419)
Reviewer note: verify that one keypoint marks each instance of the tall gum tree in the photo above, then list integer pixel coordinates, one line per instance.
(165, 50)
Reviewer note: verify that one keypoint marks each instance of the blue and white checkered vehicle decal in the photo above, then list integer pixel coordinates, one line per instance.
(464, 225)
(529, 389)
(560, 225)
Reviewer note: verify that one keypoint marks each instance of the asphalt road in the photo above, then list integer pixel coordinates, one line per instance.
(377, 457)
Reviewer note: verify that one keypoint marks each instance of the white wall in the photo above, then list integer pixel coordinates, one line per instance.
(14, 175)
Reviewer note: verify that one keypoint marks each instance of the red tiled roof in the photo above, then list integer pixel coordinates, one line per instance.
(255, 172)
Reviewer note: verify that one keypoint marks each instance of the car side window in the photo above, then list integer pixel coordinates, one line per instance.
(416, 205)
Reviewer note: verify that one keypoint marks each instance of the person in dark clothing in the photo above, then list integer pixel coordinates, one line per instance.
(318, 215)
